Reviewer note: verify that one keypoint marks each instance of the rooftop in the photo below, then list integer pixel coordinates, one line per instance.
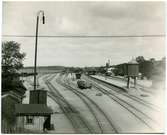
(32, 109)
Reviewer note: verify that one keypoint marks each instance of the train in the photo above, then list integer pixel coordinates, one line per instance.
(82, 84)
(91, 72)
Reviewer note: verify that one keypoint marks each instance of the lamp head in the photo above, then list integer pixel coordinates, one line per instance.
(43, 18)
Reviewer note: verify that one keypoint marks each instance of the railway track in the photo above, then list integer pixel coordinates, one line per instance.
(63, 104)
(66, 107)
(117, 90)
(132, 109)
(79, 124)
(30, 81)
(97, 112)
(90, 109)
(99, 115)
(137, 112)
(145, 118)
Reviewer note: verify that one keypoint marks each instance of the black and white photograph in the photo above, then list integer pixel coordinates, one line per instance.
(83, 67)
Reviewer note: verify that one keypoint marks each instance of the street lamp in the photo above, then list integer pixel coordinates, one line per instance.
(36, 41)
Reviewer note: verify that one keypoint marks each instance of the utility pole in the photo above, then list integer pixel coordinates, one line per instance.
(36, 42)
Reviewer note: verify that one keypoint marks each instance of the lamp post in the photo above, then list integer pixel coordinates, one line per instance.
(36, 41)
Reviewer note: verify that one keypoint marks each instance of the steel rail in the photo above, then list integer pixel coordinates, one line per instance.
(125, 104)
(139, 100)
(74, 90)
(109, 93)
(71, 109)
(89, 107)
(59, 101)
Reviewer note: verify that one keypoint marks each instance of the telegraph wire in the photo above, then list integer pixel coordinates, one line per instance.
(86, 36)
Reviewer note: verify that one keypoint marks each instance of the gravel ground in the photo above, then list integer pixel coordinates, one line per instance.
(158, 116)
(120, 117)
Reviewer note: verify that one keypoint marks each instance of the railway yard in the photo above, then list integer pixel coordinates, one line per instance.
(103, 108)
(83, 67)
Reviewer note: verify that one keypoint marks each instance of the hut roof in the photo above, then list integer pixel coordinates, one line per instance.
(32, 109)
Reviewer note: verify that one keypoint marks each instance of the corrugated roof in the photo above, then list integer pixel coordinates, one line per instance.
(32, 109)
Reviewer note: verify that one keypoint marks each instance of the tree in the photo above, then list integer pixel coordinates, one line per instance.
(145, 66)
(11, 57)
(152, 60)
(11, 62)
(140, 59)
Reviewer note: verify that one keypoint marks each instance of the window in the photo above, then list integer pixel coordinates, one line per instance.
(29, 119)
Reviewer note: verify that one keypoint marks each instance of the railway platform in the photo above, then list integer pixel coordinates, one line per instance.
(148, 93)
(121, 81)
(122, 84)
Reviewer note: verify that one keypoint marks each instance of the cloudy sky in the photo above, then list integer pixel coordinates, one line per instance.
(89, 19)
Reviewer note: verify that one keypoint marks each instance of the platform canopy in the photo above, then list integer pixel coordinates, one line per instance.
(32, 110)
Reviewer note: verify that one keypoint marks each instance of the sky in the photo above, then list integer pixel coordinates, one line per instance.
(88, 19)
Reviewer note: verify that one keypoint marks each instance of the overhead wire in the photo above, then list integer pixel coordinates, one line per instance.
(87, 36)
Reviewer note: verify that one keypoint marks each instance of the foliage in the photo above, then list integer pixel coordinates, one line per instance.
(151, 68)
(140, 59)
(146, 68)
(11, 63)
(11, 57)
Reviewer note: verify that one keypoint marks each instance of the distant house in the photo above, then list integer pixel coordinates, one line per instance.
(33, 117)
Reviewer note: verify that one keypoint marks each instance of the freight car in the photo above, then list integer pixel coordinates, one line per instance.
(120, 69)
(92, 72)
(82, 84)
